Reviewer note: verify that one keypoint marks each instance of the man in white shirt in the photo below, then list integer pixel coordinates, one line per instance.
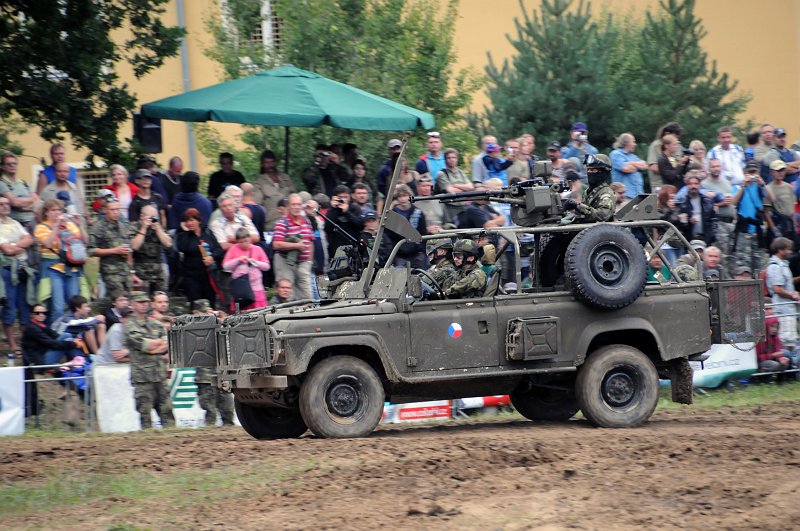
(731, 156)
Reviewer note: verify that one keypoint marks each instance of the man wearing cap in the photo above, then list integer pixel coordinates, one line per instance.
(742, 273)
(146, 196)
(433, 210)
(188, 198)
(730, 156)
(496, 165)
(749, 202)
(779, 213)
(578, 146)
(558, 164)
(432, 162)
(147, 345)
(779, 151)
(385, 173)
(109, 241)
(699, 246)
(113, 349)
(781, 288)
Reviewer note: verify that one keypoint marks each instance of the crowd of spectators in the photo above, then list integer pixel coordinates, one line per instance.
(154, 231)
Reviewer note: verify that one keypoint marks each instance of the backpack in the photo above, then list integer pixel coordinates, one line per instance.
(73, 250)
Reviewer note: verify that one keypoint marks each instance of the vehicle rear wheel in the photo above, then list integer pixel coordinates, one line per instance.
(606, 267)
(342, 397)
(617, 387)
(545, 404)
(270, 422)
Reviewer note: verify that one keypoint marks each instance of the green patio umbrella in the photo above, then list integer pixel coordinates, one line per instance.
(289, 97)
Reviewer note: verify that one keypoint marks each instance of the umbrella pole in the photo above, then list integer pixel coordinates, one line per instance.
(286, 151)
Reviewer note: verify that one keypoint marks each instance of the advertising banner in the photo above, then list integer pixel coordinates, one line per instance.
(725, 362)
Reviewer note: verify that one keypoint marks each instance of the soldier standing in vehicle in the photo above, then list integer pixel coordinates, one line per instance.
(600, 200)
(443, 271)
(147, 342)
(472, 279)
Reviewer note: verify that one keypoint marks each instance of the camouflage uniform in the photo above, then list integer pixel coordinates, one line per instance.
(115, 269)
(445, 273)
(147, 261)
(471, 283)
(599, 205)
(213, 399)
(148, 371)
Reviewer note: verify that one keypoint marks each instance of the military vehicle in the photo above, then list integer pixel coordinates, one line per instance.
(596, 339)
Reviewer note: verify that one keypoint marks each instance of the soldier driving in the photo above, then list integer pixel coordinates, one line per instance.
(600, 200)
(440, 254)
(147, 341)
(471, 279)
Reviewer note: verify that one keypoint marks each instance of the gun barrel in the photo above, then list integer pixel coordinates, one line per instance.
(461, 196)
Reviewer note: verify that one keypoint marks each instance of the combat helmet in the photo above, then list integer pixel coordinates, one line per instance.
(468, 248)
(599, 162)
(441, 243)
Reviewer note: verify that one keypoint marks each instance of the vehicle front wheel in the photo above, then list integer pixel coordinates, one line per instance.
(617, 387)
(270, 422)
(545, 404)
(342, 397)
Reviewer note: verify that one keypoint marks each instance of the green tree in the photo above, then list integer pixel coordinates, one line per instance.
(667, 77)
(59, 64)
(399, 49)
(558, 75)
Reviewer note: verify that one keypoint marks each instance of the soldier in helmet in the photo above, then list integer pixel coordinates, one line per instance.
(440, 254)
(600, 199)
(472, 279)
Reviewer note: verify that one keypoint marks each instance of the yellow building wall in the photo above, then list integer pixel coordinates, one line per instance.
(756, 44)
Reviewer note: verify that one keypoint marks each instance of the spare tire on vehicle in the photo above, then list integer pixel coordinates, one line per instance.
(606, 267)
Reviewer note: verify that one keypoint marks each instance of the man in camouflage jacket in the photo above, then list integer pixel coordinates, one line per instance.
(109, 241)
(147, 344)
(148, 237)
(600, 200)
(440, 254)
(472, 279)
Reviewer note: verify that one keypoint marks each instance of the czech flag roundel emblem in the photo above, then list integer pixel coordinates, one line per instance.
(454, 330)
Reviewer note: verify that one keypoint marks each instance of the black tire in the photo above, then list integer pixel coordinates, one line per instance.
(553, 248)
(270, 422)
(606, 267)
(342, 397)
(617, 387)
(545, 404)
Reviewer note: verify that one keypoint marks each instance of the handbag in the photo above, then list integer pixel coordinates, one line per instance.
(241, 291)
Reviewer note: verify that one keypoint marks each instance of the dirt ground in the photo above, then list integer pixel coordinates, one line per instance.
(687, 468)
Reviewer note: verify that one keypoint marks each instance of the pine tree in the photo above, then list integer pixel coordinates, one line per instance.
(669, 78)
(558, 75)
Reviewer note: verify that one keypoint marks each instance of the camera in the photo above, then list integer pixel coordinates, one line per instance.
(153, 219)
(583, 138)
(688, 152)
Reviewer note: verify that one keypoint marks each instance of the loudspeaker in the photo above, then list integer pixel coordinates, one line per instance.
(147, 131)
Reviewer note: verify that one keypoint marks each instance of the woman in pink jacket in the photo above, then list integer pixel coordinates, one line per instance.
(244, 258)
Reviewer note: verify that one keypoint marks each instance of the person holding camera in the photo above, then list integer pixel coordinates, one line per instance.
(345, 217)
(748, 237)
(109, 241)
(578, 147)
(672, 168)
(148, 237)
(63, 278)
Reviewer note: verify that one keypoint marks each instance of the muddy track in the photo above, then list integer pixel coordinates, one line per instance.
(686, 468)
